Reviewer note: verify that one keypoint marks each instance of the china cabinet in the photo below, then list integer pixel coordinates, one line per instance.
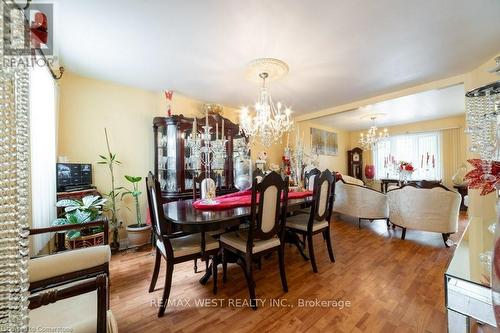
(175, 165)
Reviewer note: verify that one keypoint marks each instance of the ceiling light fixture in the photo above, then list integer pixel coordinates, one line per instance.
(270, 121)
(372, 136)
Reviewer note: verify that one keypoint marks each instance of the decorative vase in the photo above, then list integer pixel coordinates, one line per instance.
(458, 177)
(370, 171)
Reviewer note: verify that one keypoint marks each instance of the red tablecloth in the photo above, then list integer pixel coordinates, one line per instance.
(240, 199)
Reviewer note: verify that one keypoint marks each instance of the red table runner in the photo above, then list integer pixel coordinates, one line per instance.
(240, 199)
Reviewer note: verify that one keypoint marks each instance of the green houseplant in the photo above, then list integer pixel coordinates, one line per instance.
(138, 233)
(110, 161)
(80, 211)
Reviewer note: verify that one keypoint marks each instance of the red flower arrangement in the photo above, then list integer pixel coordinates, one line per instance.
(407, 166)
(475, 177)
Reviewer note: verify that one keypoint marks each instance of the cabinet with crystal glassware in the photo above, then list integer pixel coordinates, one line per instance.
(178, 158)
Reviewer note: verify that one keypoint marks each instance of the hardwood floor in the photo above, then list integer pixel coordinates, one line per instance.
(391, 285)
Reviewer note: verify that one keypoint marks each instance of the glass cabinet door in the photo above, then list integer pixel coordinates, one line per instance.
(167, 157)
(192, 163)
(242, 164)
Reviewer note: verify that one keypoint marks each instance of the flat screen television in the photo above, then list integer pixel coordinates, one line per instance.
(73, 176)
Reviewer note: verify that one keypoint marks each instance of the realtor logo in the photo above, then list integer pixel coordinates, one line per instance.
(37, 32)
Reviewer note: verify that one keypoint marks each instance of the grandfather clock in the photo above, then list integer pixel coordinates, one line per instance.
(355, 163)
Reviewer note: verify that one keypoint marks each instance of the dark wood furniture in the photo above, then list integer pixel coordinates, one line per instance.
(355, 163)
(52, 295)
(385, 182)
(173, 167)
(173, 246)
(257, 173)
(185, 217)
(76, 275)
(319, 218)
(463, 190)
(265, 233)
(307, 175)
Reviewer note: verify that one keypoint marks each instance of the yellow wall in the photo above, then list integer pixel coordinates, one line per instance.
(87, 106)
(333, 163)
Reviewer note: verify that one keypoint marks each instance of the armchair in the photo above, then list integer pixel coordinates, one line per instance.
(81, 307)
(62, 266)
(429, 209)
(76, 282)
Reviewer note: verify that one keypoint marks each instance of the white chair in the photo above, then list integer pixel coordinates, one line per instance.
(80, 277)
(79, 307)
(354, 199)
(429, 209)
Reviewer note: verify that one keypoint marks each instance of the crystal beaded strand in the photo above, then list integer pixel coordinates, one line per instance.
(14, 184)
(482, 121)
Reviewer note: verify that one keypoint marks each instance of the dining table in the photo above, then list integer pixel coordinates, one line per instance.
(189, 219)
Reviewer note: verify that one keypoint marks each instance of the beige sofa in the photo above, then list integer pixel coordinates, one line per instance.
(434, 210)
(354, 199)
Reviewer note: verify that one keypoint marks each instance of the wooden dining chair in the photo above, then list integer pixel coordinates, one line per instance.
(265, 233)
(318, 221)
(201, 183)
(309, 177)
(259, 174)
(173, 246)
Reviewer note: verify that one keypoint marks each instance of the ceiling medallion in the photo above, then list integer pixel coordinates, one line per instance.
(369, 139)
(270, 121)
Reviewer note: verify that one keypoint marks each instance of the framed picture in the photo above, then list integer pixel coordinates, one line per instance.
(325, 142)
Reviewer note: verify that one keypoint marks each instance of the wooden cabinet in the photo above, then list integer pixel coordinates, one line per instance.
(175, 168)
(355, 163)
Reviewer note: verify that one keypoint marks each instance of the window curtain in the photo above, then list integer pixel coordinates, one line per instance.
(412, 148)
(43, 153)
(453, 154)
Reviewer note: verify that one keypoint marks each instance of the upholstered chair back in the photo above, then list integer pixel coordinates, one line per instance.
(202, 184)
(267, 215)
(309, 178)
(352, 180)
(207, 186)
(323, 194)
(425, 209)
(359, 201)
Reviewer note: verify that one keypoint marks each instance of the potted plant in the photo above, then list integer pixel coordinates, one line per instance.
(138, 233)
(82, 211)
(111, 161)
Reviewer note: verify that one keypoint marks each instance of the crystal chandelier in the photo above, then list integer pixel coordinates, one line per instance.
(483, 108)
(271, 120)
(373, 136)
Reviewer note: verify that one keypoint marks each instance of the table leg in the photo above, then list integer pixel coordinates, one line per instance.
(230, 258)
(293, 238)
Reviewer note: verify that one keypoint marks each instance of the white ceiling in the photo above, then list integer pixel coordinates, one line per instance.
(428, 105)
(338, 51)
